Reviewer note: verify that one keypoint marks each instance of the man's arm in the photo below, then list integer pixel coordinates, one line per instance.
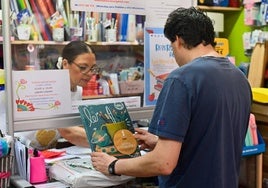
(160, 161)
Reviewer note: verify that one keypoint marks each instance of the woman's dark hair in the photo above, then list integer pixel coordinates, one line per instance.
(192, 25)
(75, 48)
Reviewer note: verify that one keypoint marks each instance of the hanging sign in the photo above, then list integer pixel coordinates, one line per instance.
(115, 6)
(41, 93)
(222, 46)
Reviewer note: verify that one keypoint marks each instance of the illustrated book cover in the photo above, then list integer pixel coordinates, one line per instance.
(109, 129)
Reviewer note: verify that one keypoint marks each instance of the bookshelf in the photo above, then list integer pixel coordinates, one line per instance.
(129, 46)
(46, 16)
(218, 8)
(18, 42)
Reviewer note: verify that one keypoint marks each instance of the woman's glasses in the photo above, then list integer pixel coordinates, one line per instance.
(86, 69)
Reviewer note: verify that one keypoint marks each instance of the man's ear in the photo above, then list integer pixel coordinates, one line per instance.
(65, 64)
(179, 41)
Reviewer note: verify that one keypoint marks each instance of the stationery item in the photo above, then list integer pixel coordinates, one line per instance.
(110, 129)
(77, 150)
(58, 34)
(110, 35)
(21, 156)
(114, 80)
(37, 168)
(45, 32)
(4, 147)
(131, 28)
(253, 129)
(79, 173)
(24, 32)
(123, 27)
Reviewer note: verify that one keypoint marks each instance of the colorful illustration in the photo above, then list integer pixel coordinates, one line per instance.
(160, 81)
(24, 105)
(109, 129)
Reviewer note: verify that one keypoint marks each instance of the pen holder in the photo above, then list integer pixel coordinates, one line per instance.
(24, 32)
(37, 170)
(93, 35)
(110, 35)
(58, 34)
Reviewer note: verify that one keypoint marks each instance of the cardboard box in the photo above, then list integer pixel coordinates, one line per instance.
(131, 87)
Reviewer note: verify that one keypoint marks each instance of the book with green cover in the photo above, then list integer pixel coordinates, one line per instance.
(109, 129)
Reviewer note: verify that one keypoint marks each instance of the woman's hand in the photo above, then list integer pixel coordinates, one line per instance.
(145, 139)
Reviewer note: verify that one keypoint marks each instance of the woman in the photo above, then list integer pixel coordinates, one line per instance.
(78, 57)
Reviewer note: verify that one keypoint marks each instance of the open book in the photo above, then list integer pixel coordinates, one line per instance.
(109, 129)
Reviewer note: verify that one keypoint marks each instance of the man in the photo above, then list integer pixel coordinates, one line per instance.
(200, 118)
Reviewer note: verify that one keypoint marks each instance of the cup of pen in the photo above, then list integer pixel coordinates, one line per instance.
(93, 35)
(24, 31)
(111, 35)
(37, 168)
(58, 34)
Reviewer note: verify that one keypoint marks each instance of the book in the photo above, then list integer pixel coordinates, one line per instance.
(160, 81)
(109, 129)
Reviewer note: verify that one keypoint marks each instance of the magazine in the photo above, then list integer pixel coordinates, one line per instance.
(109, 129)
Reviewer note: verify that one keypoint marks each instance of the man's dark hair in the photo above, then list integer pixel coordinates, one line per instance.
(192, 25)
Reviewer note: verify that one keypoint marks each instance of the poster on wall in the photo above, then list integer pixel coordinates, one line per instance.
(158, 53)
(41, 93)
(116, 6)
(159, 62)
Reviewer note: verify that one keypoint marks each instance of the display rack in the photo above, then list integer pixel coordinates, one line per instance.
(46, 122)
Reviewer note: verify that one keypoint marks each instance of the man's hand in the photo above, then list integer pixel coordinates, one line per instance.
(101, 161)
(145, 139)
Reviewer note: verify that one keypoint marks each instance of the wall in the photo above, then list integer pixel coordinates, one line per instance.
(234, 28)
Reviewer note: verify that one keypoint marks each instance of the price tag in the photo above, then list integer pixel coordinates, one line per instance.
(222, 46)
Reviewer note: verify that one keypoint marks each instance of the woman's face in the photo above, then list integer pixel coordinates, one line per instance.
(79, 69)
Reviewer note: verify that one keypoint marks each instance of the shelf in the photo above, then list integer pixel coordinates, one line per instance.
(66, 42)
(73, 120)
(218, 8)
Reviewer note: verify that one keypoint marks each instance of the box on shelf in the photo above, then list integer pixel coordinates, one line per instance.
(252, 150)
(131, 87)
